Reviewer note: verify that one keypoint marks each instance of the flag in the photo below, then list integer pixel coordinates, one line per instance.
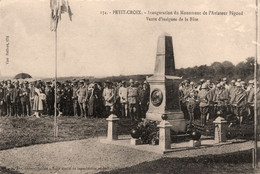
(57, 8)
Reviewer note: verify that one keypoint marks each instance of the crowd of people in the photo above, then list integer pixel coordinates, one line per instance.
(74, 98)
(207, 99)
(234, 99)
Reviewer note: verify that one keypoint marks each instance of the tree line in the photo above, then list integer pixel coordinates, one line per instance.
(217, 70)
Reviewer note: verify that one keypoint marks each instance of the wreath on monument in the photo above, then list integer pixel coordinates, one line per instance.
(147, 131)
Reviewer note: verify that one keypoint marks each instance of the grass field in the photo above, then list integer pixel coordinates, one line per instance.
(25, 131)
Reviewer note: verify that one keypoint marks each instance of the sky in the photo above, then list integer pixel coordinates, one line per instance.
(104, 45)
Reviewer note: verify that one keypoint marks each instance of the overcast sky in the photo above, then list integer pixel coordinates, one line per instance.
(101, 45)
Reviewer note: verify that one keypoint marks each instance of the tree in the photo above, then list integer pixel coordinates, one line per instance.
(228, 68)
(218, 68)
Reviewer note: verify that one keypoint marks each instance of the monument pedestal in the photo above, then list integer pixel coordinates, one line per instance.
(164, 87)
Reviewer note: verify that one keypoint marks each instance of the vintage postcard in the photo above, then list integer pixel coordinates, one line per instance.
(128, 86)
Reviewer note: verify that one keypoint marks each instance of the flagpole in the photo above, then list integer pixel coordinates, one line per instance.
(255, 157)
(55, 94)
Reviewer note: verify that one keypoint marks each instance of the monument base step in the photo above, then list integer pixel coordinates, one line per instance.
(158, 115)
(176, 119)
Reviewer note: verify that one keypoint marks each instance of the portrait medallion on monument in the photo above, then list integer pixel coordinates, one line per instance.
(156, 97)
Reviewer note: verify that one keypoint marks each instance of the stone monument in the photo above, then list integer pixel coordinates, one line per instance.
(164, 87)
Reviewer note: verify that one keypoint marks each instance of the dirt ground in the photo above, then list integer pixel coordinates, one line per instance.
(91, 156)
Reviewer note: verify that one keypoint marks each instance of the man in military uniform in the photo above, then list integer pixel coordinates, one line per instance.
(183, 94)
(204, 103)
(122, 92)
(109, 97)
(250, 100)
(132, 92)
(191, 102)
(82, 98)
(199, 87)
(221, 99)
(239, 103)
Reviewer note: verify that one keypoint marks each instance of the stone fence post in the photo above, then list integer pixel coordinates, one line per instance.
(165, 135)
(220, 130)
(112, 133)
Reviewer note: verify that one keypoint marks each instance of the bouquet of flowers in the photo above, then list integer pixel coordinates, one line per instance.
(148, 131)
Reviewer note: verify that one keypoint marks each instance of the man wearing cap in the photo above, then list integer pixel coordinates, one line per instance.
(123, 99)
(250, 93)
(239, 103)
(224, 83)
(200, 84)
(191, 102)
(109, 97)
(243, 85)
(132, 98)
(221, 99)
(204, 103)
(250, 86)
(82, 98)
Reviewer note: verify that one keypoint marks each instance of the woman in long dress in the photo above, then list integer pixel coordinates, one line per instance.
(37, 104)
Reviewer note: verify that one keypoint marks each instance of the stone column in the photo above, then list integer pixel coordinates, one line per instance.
(112, 133)
(220, 130)
(165, 135)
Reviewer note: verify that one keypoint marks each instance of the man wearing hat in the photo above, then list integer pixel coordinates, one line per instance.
(25, 99)
(67, 99)
(123, 99)
(132, 98)
(15, 98)
(49, 92)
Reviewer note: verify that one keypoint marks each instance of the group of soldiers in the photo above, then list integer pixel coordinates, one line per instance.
(205, 99)
(76, 98)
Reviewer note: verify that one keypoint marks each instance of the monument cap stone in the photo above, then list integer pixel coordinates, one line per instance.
(164, 64)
